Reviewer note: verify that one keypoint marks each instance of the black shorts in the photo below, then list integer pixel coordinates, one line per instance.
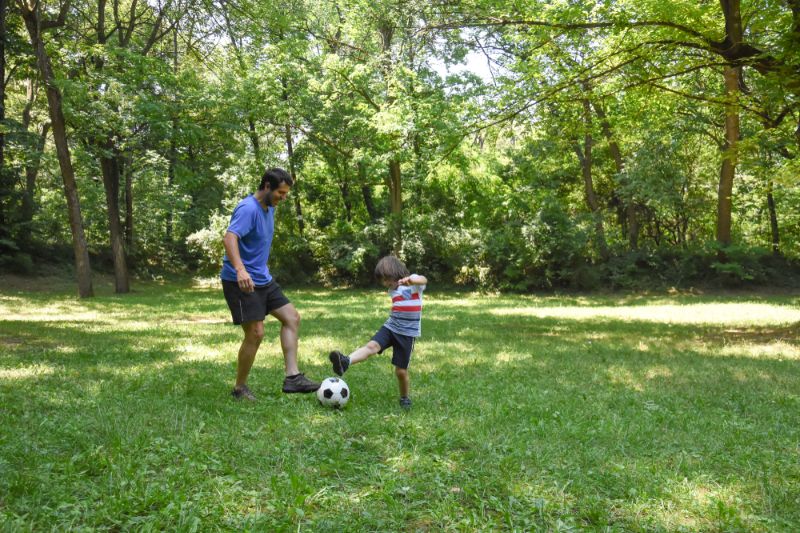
(402, 346)
(253, 306)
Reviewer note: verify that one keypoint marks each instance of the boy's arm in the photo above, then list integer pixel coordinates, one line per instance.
(413, 279)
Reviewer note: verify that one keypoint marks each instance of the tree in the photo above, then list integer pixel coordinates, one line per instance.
(36, 24)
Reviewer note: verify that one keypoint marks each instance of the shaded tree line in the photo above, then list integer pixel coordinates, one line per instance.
(609, 143)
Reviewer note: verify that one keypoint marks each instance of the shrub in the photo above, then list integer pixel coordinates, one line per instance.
(343, 254)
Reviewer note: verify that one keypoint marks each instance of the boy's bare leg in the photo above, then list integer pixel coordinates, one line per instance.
(402, 381)
(363, 353)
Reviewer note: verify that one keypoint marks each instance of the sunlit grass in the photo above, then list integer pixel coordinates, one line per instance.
(576, 412)
(730, 314)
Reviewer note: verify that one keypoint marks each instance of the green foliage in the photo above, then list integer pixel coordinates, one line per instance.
(345, 255)
(206, 244)
(492, 188)
(13, 260)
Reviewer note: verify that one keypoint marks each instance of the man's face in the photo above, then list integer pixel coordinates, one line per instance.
(278, 195)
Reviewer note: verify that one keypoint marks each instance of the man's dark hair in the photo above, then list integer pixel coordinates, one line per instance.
(390, 268)
(274, 177)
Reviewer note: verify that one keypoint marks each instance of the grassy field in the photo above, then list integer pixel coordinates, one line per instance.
(554, 413)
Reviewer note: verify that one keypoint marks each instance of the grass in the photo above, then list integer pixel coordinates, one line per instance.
(556, 413)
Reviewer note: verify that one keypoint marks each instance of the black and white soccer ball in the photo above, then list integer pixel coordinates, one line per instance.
(333, 392)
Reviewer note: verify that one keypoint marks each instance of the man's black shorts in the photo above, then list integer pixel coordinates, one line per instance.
(402, 346)
(250, 306)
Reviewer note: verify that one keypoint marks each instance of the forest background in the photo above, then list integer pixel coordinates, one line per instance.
(624, 144)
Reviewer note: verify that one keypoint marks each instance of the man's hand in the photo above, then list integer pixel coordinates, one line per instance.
(244, 280)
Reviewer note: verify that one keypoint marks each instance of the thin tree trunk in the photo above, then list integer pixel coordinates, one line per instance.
(366, 192)
(110, 168)
(254, 139)
(396, 203)
(394, 181)
(632, 221)
(31, 174)
(32, 166)
(5, 187)
(173, 145)
(128, 204)
(236, 43)
(773, 221)
(728, 170)
(292, 172)
(585, 158)
(343, 181)
(173, 155)
(82, 264)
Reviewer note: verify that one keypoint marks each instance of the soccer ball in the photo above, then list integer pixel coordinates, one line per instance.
(333, 392)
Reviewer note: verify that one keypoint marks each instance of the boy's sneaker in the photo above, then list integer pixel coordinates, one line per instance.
(405, 402)
(243, 393)
(299, 383)
(340, 362)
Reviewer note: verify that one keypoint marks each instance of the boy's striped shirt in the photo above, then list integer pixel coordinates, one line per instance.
(406, 316)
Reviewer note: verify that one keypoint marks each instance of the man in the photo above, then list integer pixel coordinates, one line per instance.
(250, 290)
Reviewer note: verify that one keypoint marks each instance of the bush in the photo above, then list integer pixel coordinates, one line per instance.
(205, 245)
(433, 246)
(344, 255)
(17, 263)
(549, 250)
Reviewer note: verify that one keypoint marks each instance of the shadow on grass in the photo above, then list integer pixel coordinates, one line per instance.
(519, 422)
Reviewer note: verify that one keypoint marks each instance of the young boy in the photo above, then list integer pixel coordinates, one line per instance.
(402, 328)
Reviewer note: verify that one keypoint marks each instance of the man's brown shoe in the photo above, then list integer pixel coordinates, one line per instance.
(299, 383)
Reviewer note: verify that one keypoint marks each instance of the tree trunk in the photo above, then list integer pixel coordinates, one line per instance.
(396, 203)
(773, 221)
(344, 189)
(631, 220)
(31, 166)
(585, 158)
(173, 156)
(109, 164)
(31, 173)
(82, 265)
(733, 37)
(173, 146)
(728, 170)
(110, 167)
(5, 185)
(127, 172)
(298, 209)
(366, 192)
(251, 125)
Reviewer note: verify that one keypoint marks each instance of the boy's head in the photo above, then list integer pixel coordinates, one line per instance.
(390, 269)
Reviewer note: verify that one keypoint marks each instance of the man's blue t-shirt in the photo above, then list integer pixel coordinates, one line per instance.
(255, 227)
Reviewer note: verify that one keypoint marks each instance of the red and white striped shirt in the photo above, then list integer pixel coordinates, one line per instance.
(406, 316)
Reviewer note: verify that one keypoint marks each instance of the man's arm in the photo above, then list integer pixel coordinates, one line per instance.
(231, 243)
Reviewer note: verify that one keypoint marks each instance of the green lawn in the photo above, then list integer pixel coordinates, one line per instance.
(609, 413)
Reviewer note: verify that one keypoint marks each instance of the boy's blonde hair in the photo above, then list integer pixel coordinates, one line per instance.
(391, 268)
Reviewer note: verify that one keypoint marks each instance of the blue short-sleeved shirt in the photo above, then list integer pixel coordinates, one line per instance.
(255, 227)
